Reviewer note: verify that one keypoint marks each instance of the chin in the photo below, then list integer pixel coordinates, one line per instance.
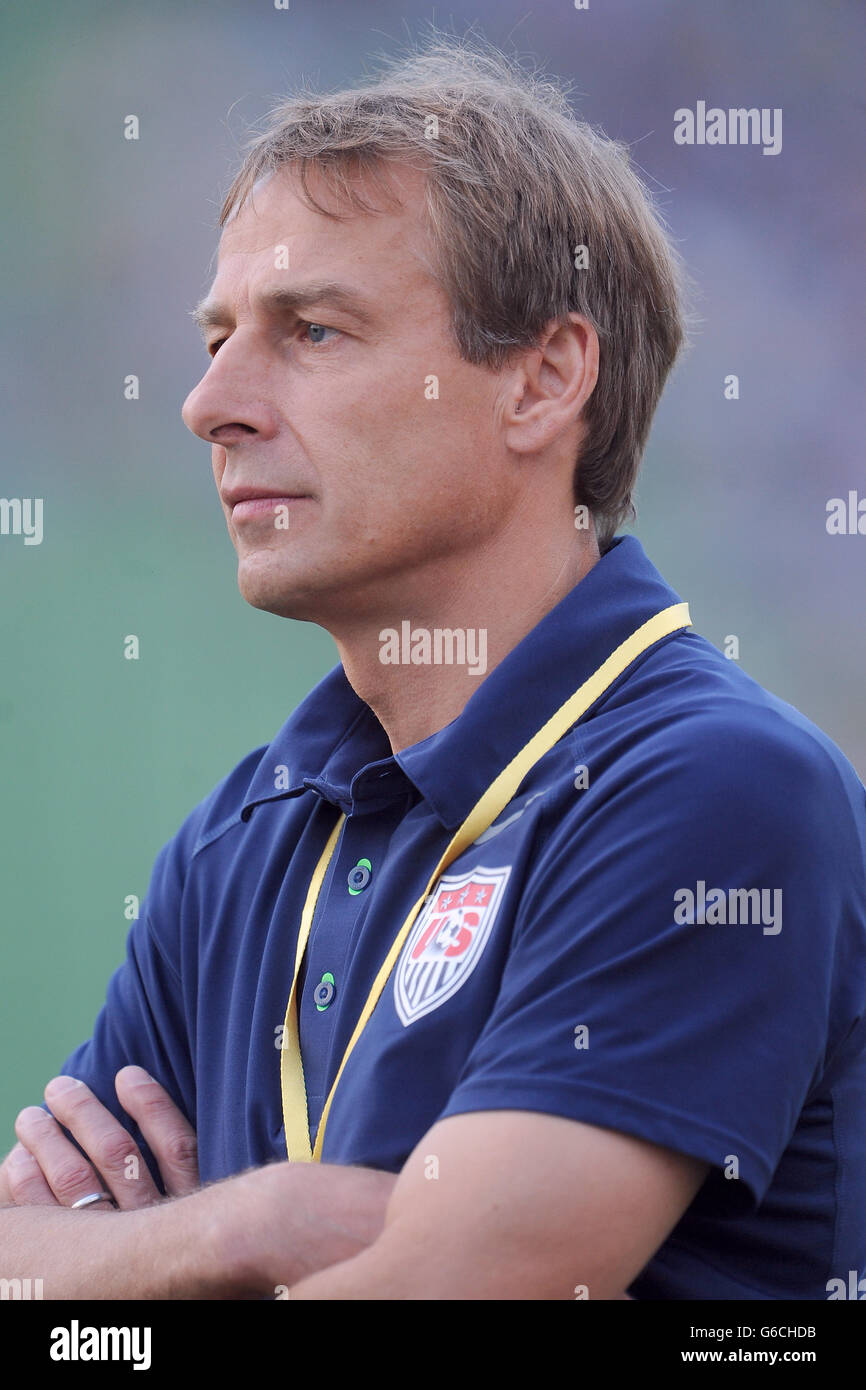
(282, 594)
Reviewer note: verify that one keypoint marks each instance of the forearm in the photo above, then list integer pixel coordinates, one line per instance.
(294, 1220)
(164, 1251)
(241, 1238)
(376, 1276)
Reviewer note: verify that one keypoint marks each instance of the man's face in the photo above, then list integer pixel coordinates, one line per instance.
(372, 488)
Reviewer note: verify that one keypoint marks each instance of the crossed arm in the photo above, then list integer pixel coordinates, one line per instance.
(490, 1205)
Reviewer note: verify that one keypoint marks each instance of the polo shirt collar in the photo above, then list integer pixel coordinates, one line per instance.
(334, 744)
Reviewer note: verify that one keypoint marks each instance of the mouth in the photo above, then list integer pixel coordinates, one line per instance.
(255, 507)
(248, 505)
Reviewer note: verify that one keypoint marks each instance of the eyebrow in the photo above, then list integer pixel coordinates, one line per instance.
(283, 301)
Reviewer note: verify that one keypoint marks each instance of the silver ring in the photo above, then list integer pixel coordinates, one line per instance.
(93, 1197)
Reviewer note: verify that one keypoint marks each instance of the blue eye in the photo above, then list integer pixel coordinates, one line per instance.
(314, 329)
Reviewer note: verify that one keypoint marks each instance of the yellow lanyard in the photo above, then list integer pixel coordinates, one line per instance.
(484, 812)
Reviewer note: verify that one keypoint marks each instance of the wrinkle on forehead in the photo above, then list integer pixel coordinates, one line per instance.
(406, 184)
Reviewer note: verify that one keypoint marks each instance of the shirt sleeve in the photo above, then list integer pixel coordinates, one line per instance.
(148, 1018)
(619, 1007)
(143, 1021)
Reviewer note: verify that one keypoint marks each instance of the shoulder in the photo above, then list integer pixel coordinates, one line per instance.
(691, 768)
(213, 815)
(690, 727)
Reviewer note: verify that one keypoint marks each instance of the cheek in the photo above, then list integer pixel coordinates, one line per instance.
(404, 453)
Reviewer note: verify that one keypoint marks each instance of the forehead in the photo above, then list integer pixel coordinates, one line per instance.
(387, 247)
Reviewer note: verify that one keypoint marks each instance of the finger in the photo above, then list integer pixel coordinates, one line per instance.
(110, 1148)
(169, 1134)
(66, 1171)
(27, 1185)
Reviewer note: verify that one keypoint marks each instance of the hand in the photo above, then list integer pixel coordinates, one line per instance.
(45, 1169)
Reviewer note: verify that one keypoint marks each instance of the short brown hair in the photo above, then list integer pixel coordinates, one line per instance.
(515, 184)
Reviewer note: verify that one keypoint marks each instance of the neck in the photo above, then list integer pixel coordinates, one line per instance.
(476, 614)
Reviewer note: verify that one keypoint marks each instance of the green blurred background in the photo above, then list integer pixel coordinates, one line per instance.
(109, 243)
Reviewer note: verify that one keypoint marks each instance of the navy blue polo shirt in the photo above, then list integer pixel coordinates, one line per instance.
(664, 933)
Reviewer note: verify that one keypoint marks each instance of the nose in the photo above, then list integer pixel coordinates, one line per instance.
(228, 403)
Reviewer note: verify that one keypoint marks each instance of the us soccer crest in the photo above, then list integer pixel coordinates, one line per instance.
(447, 940)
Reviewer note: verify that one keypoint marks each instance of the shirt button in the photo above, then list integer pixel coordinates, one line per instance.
(324, 992)
(360, 876)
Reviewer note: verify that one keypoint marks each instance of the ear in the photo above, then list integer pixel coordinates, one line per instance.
(551, 384)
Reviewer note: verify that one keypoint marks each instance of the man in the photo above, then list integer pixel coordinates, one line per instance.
(552, 950)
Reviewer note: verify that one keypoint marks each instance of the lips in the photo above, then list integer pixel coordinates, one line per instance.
(232, 496)
(252, 506)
